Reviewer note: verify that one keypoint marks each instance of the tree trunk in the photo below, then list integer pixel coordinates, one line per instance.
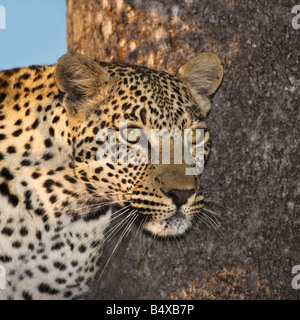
(252, 177)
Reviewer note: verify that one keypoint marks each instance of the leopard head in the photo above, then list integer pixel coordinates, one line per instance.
(139, 136)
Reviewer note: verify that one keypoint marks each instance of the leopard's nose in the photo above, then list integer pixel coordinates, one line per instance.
(178, 196)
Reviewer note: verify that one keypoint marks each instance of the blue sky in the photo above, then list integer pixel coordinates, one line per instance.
(35, 32)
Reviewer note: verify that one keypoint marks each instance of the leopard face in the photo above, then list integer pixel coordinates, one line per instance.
(131, 103)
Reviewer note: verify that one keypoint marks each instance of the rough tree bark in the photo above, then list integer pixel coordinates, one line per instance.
(252, 177)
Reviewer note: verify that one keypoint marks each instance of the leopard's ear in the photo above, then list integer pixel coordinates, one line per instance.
(82, 80)
(203, 75)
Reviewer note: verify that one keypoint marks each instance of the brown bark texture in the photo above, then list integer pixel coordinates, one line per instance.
(252, 179)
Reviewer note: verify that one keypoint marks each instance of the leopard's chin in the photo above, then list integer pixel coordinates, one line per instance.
(170, 227)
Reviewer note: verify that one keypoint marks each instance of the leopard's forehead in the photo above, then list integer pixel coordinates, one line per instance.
(158, 99)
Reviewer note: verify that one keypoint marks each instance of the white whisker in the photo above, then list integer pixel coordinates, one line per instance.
(108, 234)
(105, 221)
(212, 222)
(133, 215)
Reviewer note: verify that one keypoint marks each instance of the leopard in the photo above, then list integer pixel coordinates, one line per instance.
(59, 199)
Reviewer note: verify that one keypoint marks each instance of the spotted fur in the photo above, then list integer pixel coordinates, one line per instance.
(56, 199)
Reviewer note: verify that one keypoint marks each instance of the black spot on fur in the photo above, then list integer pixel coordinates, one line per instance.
(47, 156)
(12, 199)
(59, 266)
(46, 288)
(25, 163)
(11, 149)
(18, 122)
(6, 174)
(26, 295)
(35, 175)
(17, 133)
(55, 119)
(51, 132)
(24, 76)
(53, 199)
(23, 231)
(16, 97)
(35, 124)
(70, 179)
(2, 97)
(5, 258)
(16, 244)
(57, 246)
(39, 235)
(82, 249)
(7, 231)
(48, 143)
(27, 201)
(16, 107)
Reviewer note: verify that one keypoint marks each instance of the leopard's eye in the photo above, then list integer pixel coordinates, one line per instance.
(132, 134)
(194, 136)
